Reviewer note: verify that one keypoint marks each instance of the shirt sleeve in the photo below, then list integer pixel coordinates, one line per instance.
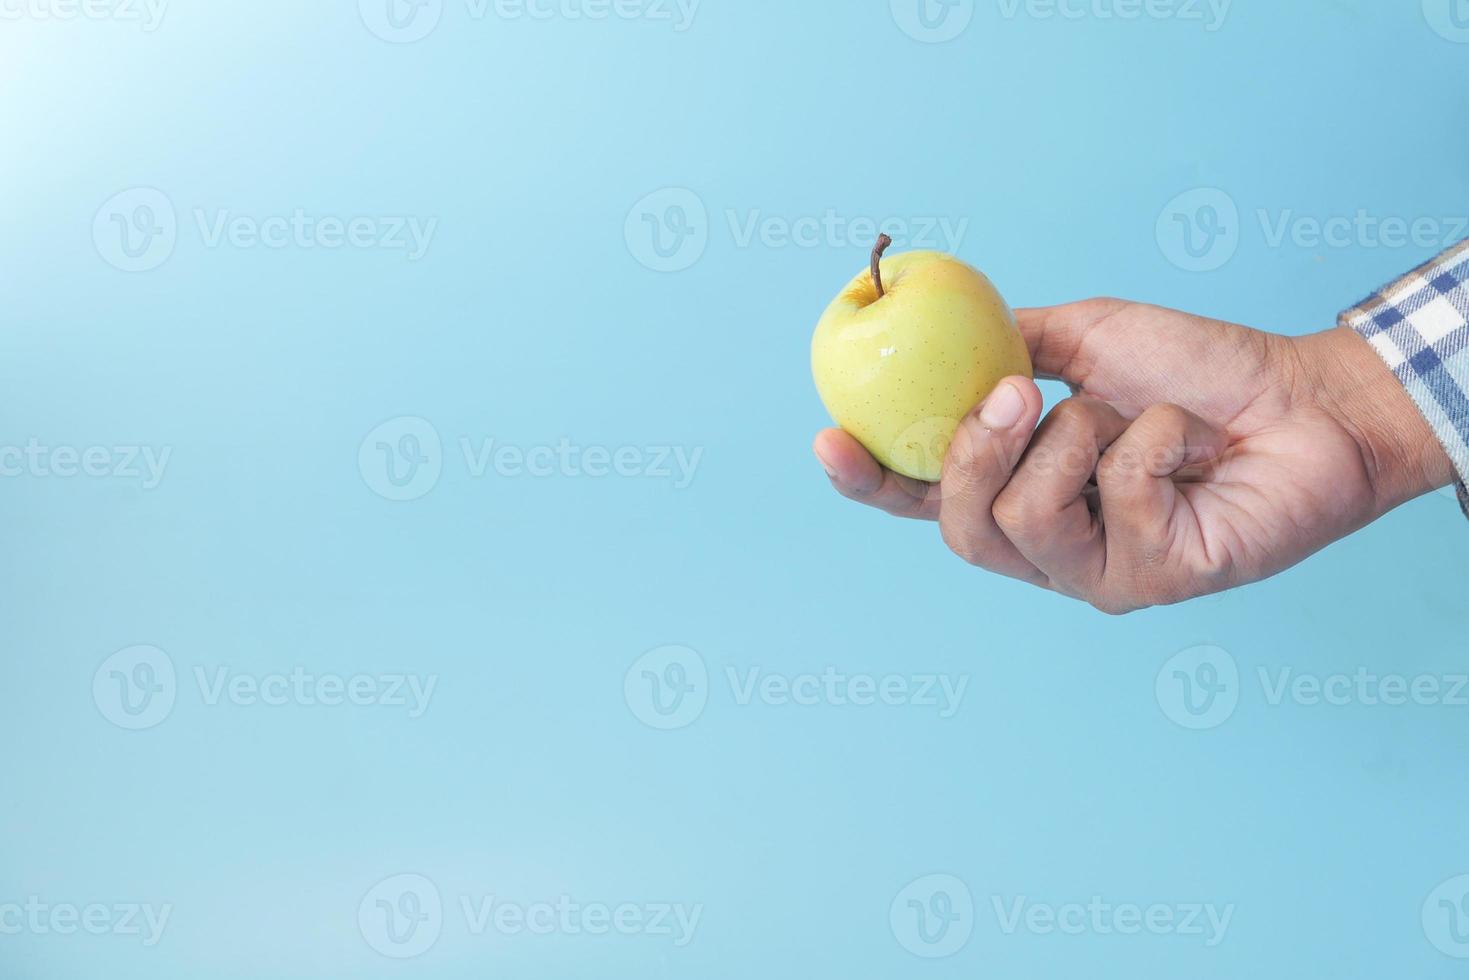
(1420, 326)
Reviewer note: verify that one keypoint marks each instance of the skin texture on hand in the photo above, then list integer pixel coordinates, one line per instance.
(1194, 455)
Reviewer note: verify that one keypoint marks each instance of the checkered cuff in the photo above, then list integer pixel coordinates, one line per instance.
(1420, 326)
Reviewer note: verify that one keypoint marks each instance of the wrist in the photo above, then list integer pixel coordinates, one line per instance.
(1351, 382)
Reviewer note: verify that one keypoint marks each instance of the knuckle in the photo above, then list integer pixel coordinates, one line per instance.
(1102, 305)
(1113, 605)
(1122, 466)
(1073, 413)
(1013, 512)
(962, 543)
(1162, 421)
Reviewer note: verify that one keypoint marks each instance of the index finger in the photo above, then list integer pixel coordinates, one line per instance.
(1056, 335)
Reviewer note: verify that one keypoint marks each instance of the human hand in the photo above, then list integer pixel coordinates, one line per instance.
(1194, 456)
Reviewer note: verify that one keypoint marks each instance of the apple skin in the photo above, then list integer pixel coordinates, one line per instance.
(899, 372)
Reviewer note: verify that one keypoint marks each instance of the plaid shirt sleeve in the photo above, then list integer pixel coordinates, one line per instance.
(1420, 326)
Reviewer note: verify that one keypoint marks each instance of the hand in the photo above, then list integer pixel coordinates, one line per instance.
(1194, 456)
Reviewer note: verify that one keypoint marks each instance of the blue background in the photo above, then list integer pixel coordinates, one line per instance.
(533, 318)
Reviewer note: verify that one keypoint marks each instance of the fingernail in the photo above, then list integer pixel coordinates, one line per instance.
(1003, 408)
(830, 470)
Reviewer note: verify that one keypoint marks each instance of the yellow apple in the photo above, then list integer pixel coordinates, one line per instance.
(907, 349)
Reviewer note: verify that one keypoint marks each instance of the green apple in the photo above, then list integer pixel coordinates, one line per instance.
(899, 366)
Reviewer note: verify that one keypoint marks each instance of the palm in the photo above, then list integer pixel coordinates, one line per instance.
(1291, 479)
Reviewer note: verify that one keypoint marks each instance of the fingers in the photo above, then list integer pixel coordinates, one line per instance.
(1139, 498)
(982, 456)
(857, 476)
(1044, 509)
(1056, 335)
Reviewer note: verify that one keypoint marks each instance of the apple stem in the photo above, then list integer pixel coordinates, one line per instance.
(883, 242)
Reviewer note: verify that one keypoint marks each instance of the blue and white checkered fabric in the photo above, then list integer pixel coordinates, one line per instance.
(1420, 326)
